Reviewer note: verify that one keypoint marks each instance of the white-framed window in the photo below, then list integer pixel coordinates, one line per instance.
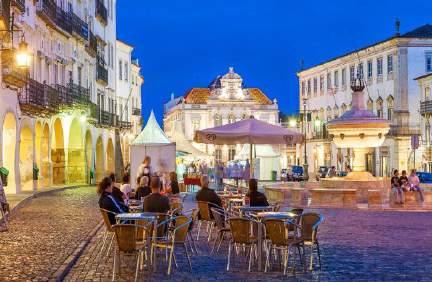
(369, 69)
(126, 68)
(303, 88)
(120, 70)
(352, 73)
(336, 79)
(390, 107)
(428, 61)
(195, 125)
(321, 83)
(360, 73)
(218, 154)
(315, 85)
(379, 106)
(231, 118)
(231, 153)
(217, 120)
(389, 63)
(343, 77)
(380, 66)
(329, 84)
(309, 88)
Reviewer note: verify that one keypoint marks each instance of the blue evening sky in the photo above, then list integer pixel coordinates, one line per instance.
(182, 44)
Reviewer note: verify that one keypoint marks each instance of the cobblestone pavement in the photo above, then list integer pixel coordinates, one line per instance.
(356, 245)
(45, 232)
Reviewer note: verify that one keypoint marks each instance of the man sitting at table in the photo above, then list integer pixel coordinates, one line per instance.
(108, 202)
(206, 194)
(143, 190)
(155, 202)
(256, 199)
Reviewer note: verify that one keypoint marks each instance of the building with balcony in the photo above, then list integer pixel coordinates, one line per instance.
(61, 115)
(388, 69)
(225, 100)
(425, 91)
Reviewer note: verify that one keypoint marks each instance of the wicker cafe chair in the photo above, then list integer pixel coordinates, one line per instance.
(127, 244)
(193, 215)
(242, 235)
(222, 228)
(177, 237)
(205, 216)
(109, 232)
(309, 234)
(279, 239)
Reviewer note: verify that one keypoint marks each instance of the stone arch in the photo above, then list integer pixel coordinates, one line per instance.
(58, 153)
(99, 163)
(44, 166)
(9, 147)
(89, 162)
(26, 158)
(110, 159)
(76, 154)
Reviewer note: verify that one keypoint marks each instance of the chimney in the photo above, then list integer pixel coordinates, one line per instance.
(397, 27)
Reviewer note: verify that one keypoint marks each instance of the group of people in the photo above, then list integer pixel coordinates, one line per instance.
(403, 183)
(153, 191)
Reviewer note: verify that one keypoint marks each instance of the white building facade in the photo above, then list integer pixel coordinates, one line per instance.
(226, 100)
(61, 116)
(388, 68)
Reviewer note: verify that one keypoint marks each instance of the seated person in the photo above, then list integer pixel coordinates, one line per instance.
(396, 188)
(126, 187)
(205, 194)
(108, 202)
(256, 199)
(173, 187)
(403, 181)
(117, 193)
(414, 184)
(143, 189)
(155, 202)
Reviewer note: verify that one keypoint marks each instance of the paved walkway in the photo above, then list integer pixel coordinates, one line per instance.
(356, 245)
(43, 233)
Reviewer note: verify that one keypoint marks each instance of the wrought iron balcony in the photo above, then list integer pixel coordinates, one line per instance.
(101, 12)
(79, 27)
(91, 46)
(101, 72)
(38, 99)
(107, 118)
(12, 76)
(73, 95)
(4, 14)
(20, 4)
(426, 107)
(124, 124)
(54, 16)
(136, 112)
(404, 130)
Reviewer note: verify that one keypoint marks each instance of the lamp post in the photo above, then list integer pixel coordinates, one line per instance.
(305, 164)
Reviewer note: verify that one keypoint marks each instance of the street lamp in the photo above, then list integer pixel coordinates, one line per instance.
(23, 58)
(292, 123)
(305, 164)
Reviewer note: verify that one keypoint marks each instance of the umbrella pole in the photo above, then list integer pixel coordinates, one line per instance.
(251, 168)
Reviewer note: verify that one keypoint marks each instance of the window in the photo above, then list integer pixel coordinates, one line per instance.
(379, 105)
(427, 93)
(352, 73)
(231, 118)
(217, 120)
(315, 85)
(218, 154)
(343, 77)
(380, 66)
(369, 69)
(195, 125)
(80, 76)
(303, 88)
(120, 70)
(126, 67)
(370, 105)
(336, 79)
(389, 63)
(390, 107)
(309, 87)
(360, 73)
(231, 153)
(429, 62)
(321, 83)
(328, 81)
(56, 74)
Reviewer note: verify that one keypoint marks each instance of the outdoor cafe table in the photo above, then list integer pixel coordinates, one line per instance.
(149, 216)
(275, 215)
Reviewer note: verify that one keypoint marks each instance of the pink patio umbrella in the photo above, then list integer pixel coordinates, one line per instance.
(248, 131)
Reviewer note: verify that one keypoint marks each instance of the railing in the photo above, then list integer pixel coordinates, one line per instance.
(38, 99)
(136, 111)
(91, 46)
(54, 15)
(107, 118)
(79, 27)
(101, 12)
(124, 124)
(20, 4)
(101, 71)
(73, 95)
(404, 130)
(426, 107)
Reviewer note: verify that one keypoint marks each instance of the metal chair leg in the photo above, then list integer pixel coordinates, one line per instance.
(319, 255)
(104, 241)
(170, 261)
(137, 265)
(220, 242)
(229, 255)
(285, 257)
(114, 265)
(250, 257)
(110, 245)
(188, 257)
(311, 258)
(199, 229)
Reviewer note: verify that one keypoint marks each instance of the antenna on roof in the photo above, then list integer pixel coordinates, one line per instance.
(397, 27)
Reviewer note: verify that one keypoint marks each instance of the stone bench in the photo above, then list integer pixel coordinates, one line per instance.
(333, 197)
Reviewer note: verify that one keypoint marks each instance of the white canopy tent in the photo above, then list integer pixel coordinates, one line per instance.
(152, 142)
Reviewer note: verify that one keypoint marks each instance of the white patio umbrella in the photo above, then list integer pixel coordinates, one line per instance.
(248, 131)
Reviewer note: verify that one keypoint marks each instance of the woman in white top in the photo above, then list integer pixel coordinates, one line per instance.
(126, 187)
